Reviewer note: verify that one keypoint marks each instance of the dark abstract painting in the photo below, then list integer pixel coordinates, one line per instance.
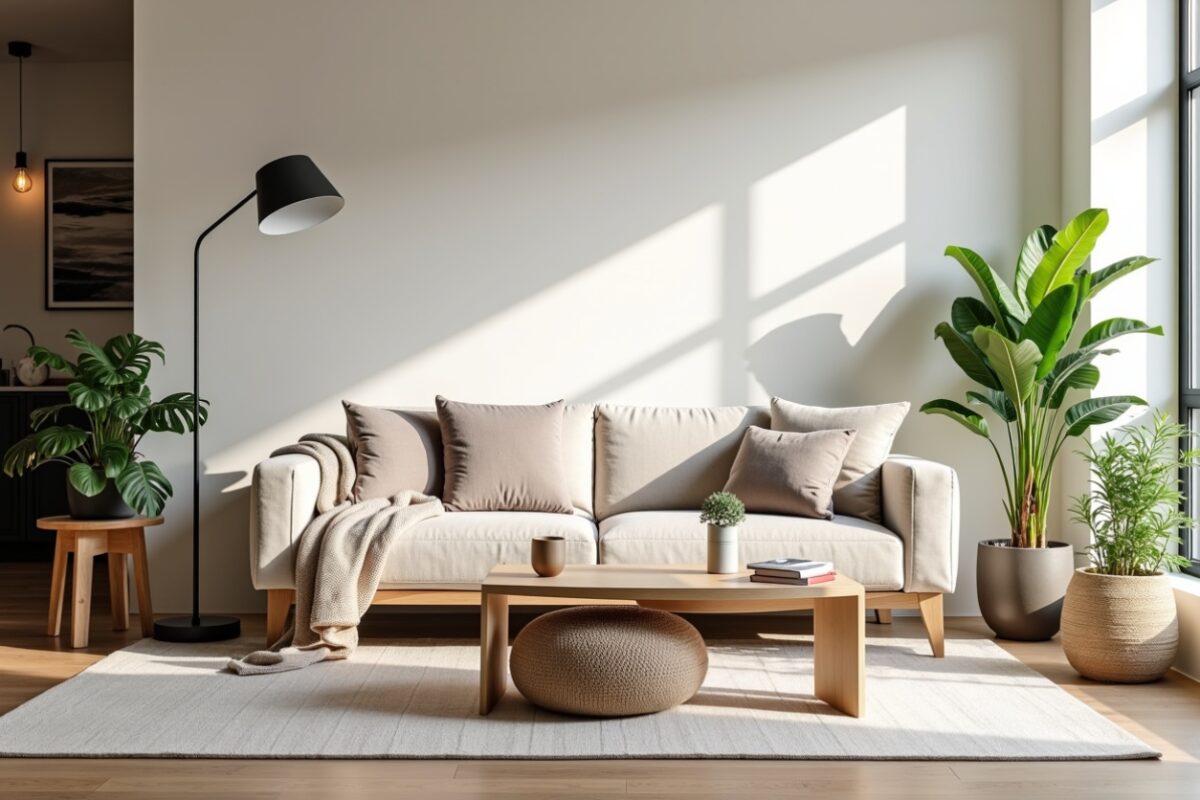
(89, 234)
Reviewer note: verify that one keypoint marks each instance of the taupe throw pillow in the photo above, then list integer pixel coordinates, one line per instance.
(503, 458)
(857, 491)
(394, 449)
(776, 472)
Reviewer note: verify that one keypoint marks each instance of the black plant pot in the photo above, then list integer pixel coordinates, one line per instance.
(106, 505)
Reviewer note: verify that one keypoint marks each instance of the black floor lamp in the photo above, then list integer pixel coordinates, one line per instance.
(292, 195)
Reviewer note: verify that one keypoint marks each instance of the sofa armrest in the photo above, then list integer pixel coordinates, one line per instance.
(920, 504)
(283, 499)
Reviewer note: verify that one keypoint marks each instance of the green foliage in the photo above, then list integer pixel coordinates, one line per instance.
(1015, 345)
(1133, 511)
(110, 389)
(722, 509)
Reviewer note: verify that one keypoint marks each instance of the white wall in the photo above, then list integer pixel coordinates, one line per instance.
(72, 110)
(674, 202)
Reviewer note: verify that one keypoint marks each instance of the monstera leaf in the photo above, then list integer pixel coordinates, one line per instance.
(144, 487)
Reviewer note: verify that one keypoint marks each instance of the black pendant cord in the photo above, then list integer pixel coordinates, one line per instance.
(21, 104)
(196, 405)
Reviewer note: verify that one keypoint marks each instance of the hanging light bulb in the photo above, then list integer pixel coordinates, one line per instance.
(22, 182)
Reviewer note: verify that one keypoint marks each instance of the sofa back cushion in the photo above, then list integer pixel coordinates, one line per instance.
(415, 450)
(394, 449)
(657, 459)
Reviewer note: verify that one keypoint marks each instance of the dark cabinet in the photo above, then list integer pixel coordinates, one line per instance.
(40, 493)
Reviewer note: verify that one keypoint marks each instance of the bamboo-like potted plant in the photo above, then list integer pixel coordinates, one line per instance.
(1119, 620)
(723, 512)
(107, 477)
(1013, 343)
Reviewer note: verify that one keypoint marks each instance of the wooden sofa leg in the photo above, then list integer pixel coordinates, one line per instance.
(279, 602)
(931, 614)
(883, 616)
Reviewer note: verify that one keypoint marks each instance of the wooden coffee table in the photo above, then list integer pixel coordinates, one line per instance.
(839, 616)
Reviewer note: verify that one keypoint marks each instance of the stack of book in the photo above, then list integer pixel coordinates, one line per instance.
(792, 571)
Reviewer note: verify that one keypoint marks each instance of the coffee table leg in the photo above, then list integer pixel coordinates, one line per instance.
(493, 650)
(839, 652)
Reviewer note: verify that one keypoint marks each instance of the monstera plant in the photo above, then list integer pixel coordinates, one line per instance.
(109, 388)
(1019, 345)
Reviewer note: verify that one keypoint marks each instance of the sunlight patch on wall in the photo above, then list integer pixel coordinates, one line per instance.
(1119, 183)
(1119, 55)
(825, 204)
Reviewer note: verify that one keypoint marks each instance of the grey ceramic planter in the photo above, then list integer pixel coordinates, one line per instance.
(1021, 589)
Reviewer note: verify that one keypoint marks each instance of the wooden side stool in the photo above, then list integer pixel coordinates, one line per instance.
(88, 538)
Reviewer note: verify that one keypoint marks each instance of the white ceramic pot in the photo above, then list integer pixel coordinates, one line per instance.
(30, 373)
(723, 549)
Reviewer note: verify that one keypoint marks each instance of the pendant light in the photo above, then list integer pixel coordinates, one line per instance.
(21, 181)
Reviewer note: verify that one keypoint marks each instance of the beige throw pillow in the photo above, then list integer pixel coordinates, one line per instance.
(503, 458)
(776, 472)
(857, 491)
(394, 449)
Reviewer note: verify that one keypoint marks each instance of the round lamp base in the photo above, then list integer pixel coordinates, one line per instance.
(210, 629)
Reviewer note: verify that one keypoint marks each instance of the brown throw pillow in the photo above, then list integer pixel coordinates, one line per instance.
(503, 458)
(857, 491)
(394, 449)
(776, 472)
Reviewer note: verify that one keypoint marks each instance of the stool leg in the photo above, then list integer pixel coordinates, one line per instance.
(58, 585)
(141, 578)
(86, 547)
(118, 589)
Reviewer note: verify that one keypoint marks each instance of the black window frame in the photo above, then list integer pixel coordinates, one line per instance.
(1189, 390)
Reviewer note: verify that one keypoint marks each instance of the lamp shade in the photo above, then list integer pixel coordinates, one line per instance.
(294, 195)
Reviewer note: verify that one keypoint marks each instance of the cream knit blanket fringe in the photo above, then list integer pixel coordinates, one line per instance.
(339, 562)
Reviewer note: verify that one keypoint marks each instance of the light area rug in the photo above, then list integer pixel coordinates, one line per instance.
(418, 699)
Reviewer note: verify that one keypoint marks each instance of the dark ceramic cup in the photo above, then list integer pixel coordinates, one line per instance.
(548, 555)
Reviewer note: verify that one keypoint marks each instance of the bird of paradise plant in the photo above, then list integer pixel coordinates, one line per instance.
(1013, 342)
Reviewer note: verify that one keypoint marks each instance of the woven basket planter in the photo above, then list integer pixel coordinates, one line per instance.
(1118, 628)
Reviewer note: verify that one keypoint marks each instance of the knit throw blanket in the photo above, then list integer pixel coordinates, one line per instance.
(339, 560)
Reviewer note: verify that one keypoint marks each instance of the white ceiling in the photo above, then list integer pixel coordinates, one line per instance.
(69, 30)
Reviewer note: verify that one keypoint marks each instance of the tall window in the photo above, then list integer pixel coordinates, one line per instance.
(1189, 247)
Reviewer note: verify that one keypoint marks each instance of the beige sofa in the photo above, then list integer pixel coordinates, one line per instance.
(637, 476)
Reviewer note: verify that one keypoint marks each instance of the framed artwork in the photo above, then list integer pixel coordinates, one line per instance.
(89, 233)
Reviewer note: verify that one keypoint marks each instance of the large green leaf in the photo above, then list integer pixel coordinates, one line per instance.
(966, 355)
(86, 479)
(114, 457)
(1103, 277)
(1069, 249)
(128, 406)
(999, 298)
(1015, 363)
(1098, 410)
(42, 356)
(995, 400)
(1064, 376)
(968, 313)
(144, 487)
(959, 413)
(40, 416)
(94, 364)
(173, 413)
(1112, 328)
(59, 441)
(1050, 325)
(1032, 252)
(130, 356)
(1086, 376)
(21, 456)
(88, 398)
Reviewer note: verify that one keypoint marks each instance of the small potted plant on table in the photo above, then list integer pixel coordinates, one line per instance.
(723, 512)
(1119, 620)
(107, 478)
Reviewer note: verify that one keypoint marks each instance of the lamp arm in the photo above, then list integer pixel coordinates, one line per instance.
(196, 404)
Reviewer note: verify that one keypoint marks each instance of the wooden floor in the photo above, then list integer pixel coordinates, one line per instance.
(1165, 714)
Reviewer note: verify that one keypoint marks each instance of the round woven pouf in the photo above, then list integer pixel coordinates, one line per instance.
(608, 661)
(1120, 628)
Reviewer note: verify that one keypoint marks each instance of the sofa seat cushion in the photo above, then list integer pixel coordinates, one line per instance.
(461, 548)
(864, 551)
